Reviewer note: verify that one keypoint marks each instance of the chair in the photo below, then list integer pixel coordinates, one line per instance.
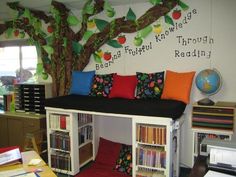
(36, 141)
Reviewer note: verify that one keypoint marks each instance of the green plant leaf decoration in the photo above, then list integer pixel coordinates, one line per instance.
(9, 33)
(77, 47)
(155, 2)
(27, 13)
(145, 31)
(39, 68)
(107, 6)
(48, 49)
(114, 43)
(49, 40)
(183, 5)
(131, 15)
(97, 58)
(89, 8)
(169, 20)
(87, 35)
(46, 60)
(72, 20)
(101, 24)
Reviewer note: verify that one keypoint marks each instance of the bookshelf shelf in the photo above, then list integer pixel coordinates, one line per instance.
(69, 134)
(215, 121)
(156, 145)
(150, 168)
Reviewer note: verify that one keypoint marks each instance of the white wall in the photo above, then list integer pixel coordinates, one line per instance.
(211, 18)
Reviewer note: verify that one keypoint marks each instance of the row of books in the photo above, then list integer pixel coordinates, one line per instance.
(61, 160)
(151, 134)
(151, 157)
(201, 136)
(8, 102)
(60, 140)
(85, 134)
(59, 121)
(84, 119)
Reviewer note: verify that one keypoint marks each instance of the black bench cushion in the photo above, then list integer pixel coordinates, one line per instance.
(145, 107)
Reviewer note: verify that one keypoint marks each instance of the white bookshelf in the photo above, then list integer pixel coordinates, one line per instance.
(170, 146)
(68, 147)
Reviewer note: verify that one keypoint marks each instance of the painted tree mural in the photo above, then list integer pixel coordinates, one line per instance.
(61, 49)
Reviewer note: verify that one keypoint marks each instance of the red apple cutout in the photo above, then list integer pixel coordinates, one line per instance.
(176, 14)
(16, 33)
(107, 56)
(25, 21)
(50, 29)
(121, 39)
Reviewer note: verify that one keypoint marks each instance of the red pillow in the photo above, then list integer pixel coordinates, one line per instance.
(108, 152)
(123, 87)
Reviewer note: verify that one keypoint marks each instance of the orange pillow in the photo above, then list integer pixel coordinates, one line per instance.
(178, 86)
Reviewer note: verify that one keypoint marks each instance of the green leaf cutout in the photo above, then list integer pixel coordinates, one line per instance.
(155, 2)
(183, 5)
(9, 32)
(101, 24)
(89, 8)
(77, 47)
(39, 68)
(65, 40)
(48, 49)
(114, 43)
(97, 58)
(46, 60)
(49, 40)
(107, 6)
(169, 20)
(131, 15)
(27, 13)
(87, 35)
(37, 24)
(145, 31)
(73, 20)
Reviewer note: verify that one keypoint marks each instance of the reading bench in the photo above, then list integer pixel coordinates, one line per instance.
(157, 113)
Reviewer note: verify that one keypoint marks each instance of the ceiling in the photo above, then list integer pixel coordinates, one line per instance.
(7, 14)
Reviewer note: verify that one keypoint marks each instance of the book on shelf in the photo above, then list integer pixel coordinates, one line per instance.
(61, 160)
(60, 140)
(151, 134)
(85, 134)
(151, 157)
(58, 121)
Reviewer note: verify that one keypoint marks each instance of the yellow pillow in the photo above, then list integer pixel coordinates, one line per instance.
(178, 86)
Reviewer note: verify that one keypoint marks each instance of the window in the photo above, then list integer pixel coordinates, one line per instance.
(17, 64)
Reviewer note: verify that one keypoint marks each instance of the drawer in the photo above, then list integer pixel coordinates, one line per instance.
(31, 125)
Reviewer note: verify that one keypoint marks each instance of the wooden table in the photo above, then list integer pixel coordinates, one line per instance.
(27, 156)
(200, 167)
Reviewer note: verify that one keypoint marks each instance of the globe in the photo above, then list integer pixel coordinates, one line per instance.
(209, 82)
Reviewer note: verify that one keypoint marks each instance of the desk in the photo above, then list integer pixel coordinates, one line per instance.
(27, 156)
(200, 167)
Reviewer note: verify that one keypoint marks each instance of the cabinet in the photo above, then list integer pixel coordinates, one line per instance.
(14, 127)
(31, 97)
(218, 117)
(156, 147)
(70, 141)
(212, 122)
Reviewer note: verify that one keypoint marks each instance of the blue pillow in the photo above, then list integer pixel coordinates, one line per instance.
(81, 82)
